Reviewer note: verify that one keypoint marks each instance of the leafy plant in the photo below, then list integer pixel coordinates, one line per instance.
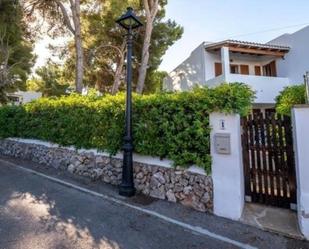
(49, 81)
(167, 125)
(16, 58)
(290, 96)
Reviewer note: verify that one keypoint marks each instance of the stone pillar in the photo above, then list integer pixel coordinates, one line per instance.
(300, 119)
(227, 168)
(225, 59)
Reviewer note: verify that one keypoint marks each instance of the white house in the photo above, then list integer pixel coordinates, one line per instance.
(267, 68)
(21, 97)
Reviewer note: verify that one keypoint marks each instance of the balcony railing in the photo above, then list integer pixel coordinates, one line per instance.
(267, 88)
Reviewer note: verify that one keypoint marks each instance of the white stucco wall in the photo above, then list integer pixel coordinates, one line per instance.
(251, 61)
(199, 68)
(210, 60)
(296, 62)
(29, 96)
(227, 170)
(266, 88)
(301, 147)
(26, 97)
(189, 73)
(236, 59)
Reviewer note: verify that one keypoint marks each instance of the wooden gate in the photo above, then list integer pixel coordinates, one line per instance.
(268, 158)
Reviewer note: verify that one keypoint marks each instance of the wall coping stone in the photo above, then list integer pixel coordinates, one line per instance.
(150, 160)
(301, 106)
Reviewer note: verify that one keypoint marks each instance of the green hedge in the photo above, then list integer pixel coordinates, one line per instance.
(290, 96)
(168, 125)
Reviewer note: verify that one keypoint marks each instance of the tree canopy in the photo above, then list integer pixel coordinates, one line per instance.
(49, 81)
(97, 54)
(104, 44)
(16, 58)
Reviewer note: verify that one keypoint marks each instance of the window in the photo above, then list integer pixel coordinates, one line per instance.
(257, 70)
(270, 69)
(244, 69)
(218, 69)
(234, 69)
(13, 98)
(266, 70)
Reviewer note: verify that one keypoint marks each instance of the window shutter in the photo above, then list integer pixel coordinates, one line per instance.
(244, 69)
(218, 69)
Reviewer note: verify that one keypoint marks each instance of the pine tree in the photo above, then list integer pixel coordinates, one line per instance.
(105, 47)
(16, 57)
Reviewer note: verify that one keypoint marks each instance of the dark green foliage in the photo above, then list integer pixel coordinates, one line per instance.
(49, 81)
(290, 96)
(102, 36)
(168, 125)
(156, 78)
(16, 57)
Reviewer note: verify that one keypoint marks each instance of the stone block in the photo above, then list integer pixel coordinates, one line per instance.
(188, 188)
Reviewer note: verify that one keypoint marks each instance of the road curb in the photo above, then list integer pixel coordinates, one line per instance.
(186, 226)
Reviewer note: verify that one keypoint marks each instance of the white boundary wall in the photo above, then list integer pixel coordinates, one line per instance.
(300, 117)
(227, 170)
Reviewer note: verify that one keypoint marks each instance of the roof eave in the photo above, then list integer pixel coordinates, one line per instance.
(228, 43)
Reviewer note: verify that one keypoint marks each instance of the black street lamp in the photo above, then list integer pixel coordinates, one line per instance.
(129, 22)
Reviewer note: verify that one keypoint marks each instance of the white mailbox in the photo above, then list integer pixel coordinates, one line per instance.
(223, 143)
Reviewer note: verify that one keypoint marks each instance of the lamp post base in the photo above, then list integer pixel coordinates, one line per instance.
(127, 191)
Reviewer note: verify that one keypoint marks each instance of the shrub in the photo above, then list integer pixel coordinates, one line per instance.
(290, 96)
(168, 125)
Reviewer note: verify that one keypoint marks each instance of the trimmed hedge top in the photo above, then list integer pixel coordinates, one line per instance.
(168, 125)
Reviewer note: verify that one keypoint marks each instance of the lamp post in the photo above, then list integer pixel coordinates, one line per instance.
(129, 22)
(306, 82)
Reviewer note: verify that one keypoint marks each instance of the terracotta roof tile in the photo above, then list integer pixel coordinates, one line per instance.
(245, 43)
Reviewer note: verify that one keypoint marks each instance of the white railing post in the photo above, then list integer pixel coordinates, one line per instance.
(300, 119)
(227, 165)
(225, 59)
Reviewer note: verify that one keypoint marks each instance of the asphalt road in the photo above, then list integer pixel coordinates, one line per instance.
(40, 213)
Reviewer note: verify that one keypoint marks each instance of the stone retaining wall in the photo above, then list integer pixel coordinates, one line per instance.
(175, 185)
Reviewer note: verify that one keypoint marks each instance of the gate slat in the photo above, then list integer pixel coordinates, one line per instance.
(282, 167)
(275, 160)
(268, 156)
(290, 159)
(252, 160)
(245, 143)
(258, 156)
(264, 161)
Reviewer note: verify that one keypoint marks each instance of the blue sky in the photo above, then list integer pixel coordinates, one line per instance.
(213, 20)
